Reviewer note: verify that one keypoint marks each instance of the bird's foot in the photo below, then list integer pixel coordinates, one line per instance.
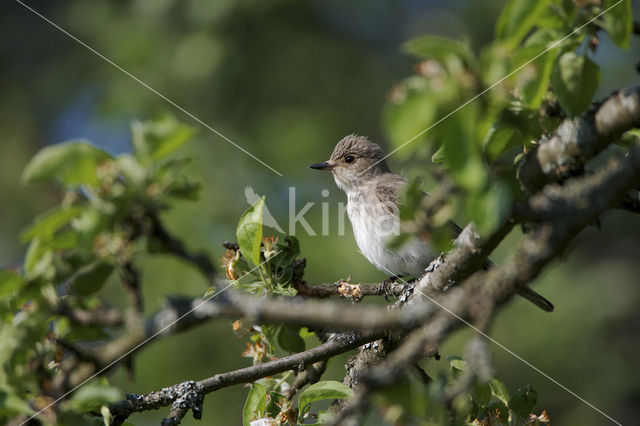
(386, 285)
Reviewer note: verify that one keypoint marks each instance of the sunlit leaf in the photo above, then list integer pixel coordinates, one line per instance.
(463, 156)
(93, 395)
(532, 81)
(575, 79)
(255, 404)
(10, 282)
(439, 48)
(618, 22)
(322, 390)
(499, 390)
(46, 225)
(38, 261)
(457, 365)
(408, 117)
(517, 19)
(153, 140)
(73, 163)
(249, 232)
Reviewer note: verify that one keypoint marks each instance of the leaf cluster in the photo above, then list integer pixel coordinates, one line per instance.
(474, 113)
(101, 224)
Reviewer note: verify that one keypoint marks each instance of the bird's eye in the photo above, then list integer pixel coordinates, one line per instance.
(349, 158)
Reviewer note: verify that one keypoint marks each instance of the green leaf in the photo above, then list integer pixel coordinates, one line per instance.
(439, 48)
(463, 155)
(499, 140)
(46, 225)
(131, 169)
(93, 395)
(482, 394)
(74, 163)
(517, 19)
(289, 339)
(499, 408)
(438, 156)
(10, 282)
(325, 416)
(322, 390)
(488, 209)
(153, 140)
(499, 390)
(12, 404)
(249, 232)
(38, 261)
(411, 199)
(575, 79)
(523, 401)
(64, 240)
(618, 22)
(410, 116)
(254, 406)
(185, 190)
(457, 365)
(92, 278)
(515, 126)
(533, 81)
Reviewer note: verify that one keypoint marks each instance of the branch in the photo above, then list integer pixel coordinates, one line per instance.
(177, 248)
(353, 291)
(131, 282)
(101, 316)
(89, 359)
(577, 141)
(135, 403)
(470, 255)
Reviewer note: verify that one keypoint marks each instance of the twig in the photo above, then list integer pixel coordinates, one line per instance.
(167, 396)
(177, 248)
(131, 283)
(353, 291)
(311, 375)
(100, 316)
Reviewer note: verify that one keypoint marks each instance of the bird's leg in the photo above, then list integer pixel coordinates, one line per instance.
(387, 283)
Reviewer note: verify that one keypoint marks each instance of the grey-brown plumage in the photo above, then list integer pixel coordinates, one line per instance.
(359, 169)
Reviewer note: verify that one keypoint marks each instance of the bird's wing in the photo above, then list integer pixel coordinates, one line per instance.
(388, 195)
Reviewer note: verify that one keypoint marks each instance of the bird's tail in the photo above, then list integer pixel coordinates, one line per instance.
(536, 298)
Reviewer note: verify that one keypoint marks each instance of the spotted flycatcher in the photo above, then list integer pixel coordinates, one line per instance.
(373, 191)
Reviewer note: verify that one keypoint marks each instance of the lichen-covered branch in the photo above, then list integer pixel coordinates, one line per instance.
(576, 141)
(338, 344)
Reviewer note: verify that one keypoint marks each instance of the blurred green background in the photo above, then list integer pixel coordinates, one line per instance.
(286, 80)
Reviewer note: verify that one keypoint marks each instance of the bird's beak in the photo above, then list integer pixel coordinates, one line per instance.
(322, 166)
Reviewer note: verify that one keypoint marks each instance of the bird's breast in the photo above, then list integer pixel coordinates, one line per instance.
(373, 227)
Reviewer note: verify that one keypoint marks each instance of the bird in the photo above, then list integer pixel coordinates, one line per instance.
(359, 168)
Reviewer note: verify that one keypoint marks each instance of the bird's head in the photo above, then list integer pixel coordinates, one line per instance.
(354, 160)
